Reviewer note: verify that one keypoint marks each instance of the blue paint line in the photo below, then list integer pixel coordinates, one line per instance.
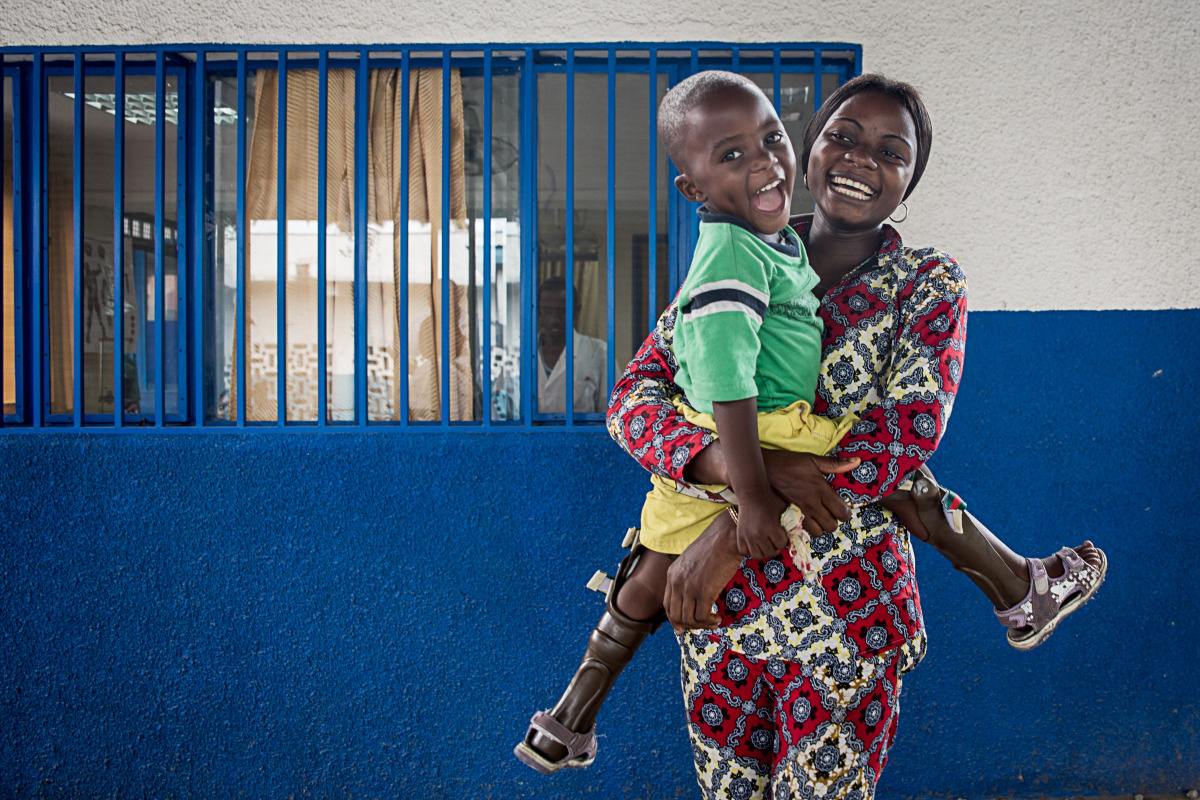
(226, 654)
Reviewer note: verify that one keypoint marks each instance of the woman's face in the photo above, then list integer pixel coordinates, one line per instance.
(862, 161)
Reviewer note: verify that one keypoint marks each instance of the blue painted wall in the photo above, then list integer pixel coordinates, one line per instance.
(376, 615)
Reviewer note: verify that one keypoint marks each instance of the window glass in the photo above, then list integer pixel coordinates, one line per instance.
(486, 203)
(144, 331)
(498, 375)
(221, 281)
(637, 258)
(60, 236)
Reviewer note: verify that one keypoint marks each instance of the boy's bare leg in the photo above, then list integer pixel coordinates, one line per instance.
(634, 610)
(1000, 573)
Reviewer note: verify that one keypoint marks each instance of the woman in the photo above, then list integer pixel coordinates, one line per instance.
(796, 693)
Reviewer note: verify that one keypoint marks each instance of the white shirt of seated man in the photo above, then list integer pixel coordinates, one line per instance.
(591, 357)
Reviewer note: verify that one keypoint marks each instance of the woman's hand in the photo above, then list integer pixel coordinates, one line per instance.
(696, 578)
(799, 478)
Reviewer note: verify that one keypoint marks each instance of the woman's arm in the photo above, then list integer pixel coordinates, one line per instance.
(899, 433)
(643, 420)
(642, 417)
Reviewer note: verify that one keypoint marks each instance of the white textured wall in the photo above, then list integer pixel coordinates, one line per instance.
(1066, 160)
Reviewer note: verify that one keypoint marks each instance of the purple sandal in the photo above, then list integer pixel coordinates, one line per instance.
(581, 747)
(1050, 600)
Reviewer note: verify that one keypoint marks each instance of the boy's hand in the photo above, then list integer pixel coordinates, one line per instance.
(759, 533)
(799, 478)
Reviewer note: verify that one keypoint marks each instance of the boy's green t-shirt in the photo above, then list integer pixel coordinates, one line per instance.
(748, 324)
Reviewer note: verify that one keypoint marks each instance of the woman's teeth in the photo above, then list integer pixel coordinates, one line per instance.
(859, 191)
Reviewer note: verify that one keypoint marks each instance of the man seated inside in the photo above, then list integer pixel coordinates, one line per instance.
(591, 356)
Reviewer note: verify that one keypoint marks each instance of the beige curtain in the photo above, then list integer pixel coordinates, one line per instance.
(384, 194)
(61, 291)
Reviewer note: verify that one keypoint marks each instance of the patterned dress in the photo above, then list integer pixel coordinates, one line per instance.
(892, 354)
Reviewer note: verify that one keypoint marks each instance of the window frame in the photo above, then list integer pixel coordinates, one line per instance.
(30, 70)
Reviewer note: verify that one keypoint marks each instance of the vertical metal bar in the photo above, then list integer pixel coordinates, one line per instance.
(160, 320)
(569, 335)
(445, 259)
(402, 367)
(281, 245)
(528, 157)
(776, 78)
(119, 239)
(3, 329)
(652, 243)
(322, 222)
(39, 244)
(77, 260)
(240, 334)
(485, 366)
(183, 295)
(735, 59)
(360, 239)
(817, 100)
(695, 60)
(610, 283)
(195, 190)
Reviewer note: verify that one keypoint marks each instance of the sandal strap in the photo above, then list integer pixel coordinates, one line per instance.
(1072, 562)
(577, 744)
(1039, 579)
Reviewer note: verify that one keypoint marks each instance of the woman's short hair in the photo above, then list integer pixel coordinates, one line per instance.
(908, 97)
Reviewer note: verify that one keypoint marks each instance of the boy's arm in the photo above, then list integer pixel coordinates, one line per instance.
(759, 533)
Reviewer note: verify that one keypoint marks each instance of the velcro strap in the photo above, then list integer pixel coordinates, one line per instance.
(1038, 576)
(600, 582)
(631, 538)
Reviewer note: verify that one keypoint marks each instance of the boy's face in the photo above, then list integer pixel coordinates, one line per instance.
(738, 160)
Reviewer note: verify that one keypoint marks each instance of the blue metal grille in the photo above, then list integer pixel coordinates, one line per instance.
(171, 338)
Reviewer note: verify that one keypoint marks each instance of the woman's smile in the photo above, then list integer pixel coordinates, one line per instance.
(861, 163)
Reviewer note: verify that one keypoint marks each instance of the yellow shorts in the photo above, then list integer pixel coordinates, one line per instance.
(671, 521)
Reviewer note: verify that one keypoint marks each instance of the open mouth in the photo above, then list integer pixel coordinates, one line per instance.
(770, 199)
(850, 188)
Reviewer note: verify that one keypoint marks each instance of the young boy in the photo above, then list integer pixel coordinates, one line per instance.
(748, 344)
(748, 341)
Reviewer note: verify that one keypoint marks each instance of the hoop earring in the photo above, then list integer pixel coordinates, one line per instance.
(898, 221)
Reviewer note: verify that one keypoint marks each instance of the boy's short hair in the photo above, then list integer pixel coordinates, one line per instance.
(683, 98)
